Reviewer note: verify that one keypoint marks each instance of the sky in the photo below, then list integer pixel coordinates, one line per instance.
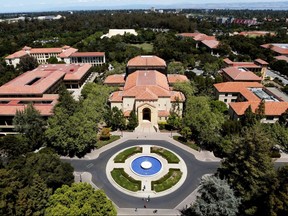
(46, 5)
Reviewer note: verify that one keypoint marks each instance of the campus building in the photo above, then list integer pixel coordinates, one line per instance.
(238, 96)
(114, 32)
(210, 42)
(147, 91)
(38, 87)
(66, 54)
(244, 71)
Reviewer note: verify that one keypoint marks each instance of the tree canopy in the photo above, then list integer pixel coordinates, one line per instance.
(79, 199)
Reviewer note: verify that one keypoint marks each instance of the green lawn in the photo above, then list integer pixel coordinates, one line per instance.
(167, 181)
(168, 155)
(125, 181)
(187, 143)
(147, 47)
(122, 156)
(101, 143)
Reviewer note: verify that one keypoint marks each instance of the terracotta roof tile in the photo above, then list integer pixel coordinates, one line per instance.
(281, 49)
(173, 78)
(87, 54)
(17, 54)
(163, 113)
(115, 79)
(146, 61)
(212, 44)
(67, 52)
(20, 85)
(271, 108)
(239, 75)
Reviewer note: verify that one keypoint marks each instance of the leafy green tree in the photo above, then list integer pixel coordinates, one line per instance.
(48, 166)
(132, 120)
(79, 199)
(216, 199)
(186, 133)
(249, 118)
(219, 106)
(176, 68)
(115, 119)
(260, 111)
(203, 122)
(53, 60)
(241, 169)
(32, 199)
(31, 124)
(14, 145)
(66, 101)
(279, 134)
(187, 88)
(27, 63)
(283, 119)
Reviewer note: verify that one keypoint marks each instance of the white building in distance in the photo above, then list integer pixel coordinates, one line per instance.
(114, 32)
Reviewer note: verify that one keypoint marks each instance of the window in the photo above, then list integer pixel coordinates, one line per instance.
(226, 94)
(225, 100)
(233, 100)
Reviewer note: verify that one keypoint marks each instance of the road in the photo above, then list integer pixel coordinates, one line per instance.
(97, 167)
(274, 74)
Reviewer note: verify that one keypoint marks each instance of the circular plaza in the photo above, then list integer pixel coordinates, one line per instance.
(148, 170)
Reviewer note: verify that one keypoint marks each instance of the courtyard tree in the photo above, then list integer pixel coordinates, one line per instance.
(249, 118)
(216, 198)
(31, 124)
(14, 145)
(79, 199)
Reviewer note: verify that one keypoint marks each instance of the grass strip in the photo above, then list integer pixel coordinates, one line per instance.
(122, 156)
(124, 180)
(168, 155)
(167, 181)
(101, 143)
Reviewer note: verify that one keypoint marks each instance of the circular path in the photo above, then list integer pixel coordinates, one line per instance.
(97, 167)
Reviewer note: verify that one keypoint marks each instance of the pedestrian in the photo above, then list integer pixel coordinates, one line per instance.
(155, 211)
(144, 206)
(136, 209)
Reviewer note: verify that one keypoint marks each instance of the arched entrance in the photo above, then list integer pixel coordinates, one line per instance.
(147, 114)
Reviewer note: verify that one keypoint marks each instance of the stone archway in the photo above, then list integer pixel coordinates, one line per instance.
(146, 114)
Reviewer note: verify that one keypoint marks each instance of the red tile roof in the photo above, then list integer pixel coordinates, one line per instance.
(146, 85)
(245, 64)
(284, 58)
(87, 54)
(278, 48)
(17, 54)
(146, 61)
(260, 61)
(67, 52)
(163, 113)
(72, 71)
(20, 85)
(173, 78)
(45, 50)
(239, 75)
(271, 108)
(115, 79)
(15, 104)
(212, 44)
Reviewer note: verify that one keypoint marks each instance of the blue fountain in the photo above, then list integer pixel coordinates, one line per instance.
(146, 166)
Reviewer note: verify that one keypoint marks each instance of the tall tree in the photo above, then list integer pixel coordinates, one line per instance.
(132, 120)
(31, 124)
(216, 198)
(249, 118)
(249, 169)
(79, 199)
